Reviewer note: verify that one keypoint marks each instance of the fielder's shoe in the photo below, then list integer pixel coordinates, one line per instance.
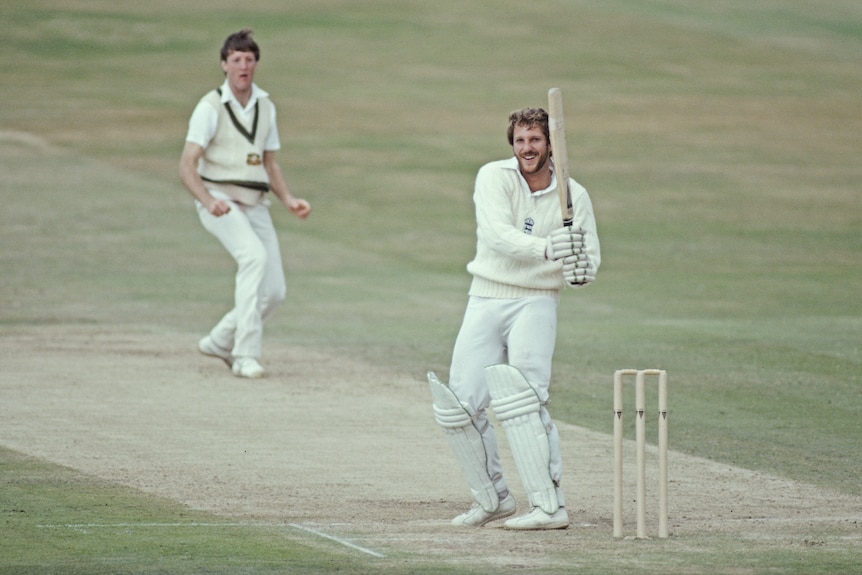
(538, 519)
(247, 367)
(208, 347)
(477, 516)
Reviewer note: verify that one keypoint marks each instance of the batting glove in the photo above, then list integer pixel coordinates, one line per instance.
(563, 242)
(577, 270)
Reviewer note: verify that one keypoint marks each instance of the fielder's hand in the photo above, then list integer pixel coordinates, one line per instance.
(577, 270)
(299, 207)
(563, 242)
(218, 207)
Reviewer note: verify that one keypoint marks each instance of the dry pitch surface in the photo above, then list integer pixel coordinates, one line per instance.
(342, 448)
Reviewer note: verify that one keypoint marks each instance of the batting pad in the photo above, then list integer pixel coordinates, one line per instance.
(517, 406)
(457, 422)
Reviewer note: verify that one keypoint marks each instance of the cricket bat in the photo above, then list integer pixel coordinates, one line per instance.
(557, 129)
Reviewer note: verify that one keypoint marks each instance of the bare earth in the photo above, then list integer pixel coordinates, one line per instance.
(342, 448)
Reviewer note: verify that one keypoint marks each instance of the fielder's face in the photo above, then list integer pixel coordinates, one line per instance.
(239, 69)
(532, 149)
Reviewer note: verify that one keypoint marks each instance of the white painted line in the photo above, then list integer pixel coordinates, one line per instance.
(338, 540)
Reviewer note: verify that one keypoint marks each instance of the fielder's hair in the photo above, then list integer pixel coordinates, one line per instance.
(528, 118)
(240, 42)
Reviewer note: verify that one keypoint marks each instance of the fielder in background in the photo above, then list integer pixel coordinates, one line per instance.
(228, 165)
(503, 352)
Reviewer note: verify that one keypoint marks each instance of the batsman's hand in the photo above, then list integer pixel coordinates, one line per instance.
(578, 270)
(564, 242)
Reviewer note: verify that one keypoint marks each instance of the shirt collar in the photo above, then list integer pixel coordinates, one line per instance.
(512, 164)
(227, 95)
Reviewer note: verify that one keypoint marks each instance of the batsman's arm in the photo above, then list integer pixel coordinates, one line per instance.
(494, 216)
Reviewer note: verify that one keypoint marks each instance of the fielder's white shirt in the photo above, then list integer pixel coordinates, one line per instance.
(204, 119)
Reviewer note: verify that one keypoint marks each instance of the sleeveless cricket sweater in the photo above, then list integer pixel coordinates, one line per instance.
(235, 154)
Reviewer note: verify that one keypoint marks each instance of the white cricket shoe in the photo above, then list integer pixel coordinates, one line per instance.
(247, 367)
(538, 519)
(478, 517)
(208, 347)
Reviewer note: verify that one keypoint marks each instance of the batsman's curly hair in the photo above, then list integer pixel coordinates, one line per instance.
(528, 118)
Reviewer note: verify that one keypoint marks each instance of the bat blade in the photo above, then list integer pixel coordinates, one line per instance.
(557, 129)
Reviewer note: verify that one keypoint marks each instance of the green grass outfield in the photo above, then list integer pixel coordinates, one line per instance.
(720, 142)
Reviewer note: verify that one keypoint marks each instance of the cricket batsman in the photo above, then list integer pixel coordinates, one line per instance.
(502, 355)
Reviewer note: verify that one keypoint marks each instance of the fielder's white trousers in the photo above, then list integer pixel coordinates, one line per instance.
(247, 233)
(521, 332)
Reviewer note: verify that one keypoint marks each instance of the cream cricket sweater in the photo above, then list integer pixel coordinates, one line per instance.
(235, 153)
(511, 229)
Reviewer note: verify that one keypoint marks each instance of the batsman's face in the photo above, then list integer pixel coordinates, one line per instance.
(532, 149)
(239, 69)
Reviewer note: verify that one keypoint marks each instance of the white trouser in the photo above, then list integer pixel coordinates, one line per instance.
(247, 233)
(521, 332)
